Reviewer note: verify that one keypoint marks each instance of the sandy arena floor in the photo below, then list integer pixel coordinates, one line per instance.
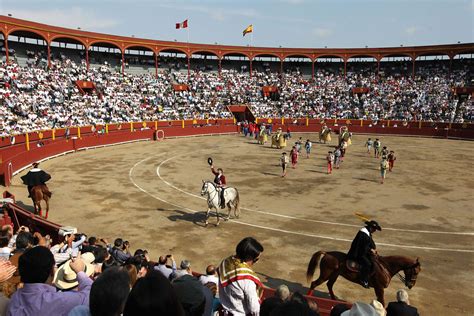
(149, 193)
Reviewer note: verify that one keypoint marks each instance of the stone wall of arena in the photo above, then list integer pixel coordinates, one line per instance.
(18, 153)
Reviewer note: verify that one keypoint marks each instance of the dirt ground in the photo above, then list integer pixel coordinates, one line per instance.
(148, 193)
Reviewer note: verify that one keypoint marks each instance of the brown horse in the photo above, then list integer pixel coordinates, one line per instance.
(38, 193)
(334, 263)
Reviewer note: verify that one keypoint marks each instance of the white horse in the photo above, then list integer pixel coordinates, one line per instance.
(231, 197)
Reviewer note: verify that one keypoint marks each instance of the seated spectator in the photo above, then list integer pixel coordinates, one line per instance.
(297, 305)
(67, 248)
(163, 268)
(153, 295)
(132, 274)
(190, 293)
(401, 306)
(37, 297)
(140, 263)
(282, 294)
(210, 276)
(240, 288)
(120, 251)
(107, 296)
(185, 268)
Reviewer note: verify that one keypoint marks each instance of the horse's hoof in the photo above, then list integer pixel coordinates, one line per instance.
(226, 219)
(217, 224)
(206, 223)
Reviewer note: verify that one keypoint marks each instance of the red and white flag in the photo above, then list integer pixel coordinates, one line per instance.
(182, 25)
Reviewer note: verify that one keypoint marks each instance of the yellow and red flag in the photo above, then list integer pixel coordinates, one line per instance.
(249, 29)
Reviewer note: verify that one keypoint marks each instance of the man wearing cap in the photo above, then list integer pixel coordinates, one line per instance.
(34, 177)
(362, 247)
(220, 181)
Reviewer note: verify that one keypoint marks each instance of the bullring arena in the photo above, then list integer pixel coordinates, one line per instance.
(150, 190)
(126, 126)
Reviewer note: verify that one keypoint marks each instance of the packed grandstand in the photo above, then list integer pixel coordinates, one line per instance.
(40, 92)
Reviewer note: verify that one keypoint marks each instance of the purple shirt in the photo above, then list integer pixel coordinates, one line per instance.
(42, 299)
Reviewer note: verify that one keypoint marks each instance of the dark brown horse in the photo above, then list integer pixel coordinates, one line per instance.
(333, 264)
(38, 193)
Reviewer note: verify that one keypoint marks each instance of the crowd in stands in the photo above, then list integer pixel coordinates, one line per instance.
(83, 276)
(37, 98)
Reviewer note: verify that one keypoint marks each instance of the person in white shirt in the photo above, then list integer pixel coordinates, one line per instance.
(210, 276)
(240, 288)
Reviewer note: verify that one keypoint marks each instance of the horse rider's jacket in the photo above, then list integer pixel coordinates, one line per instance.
(35, 176)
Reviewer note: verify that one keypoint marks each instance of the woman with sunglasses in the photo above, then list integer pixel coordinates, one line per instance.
(240, 289)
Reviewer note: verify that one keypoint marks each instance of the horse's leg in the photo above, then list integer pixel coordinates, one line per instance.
(217, 212)
(229, 208)
(331, 281)
(207, 215)
(379, 292)
(324, 274)
(47, 207)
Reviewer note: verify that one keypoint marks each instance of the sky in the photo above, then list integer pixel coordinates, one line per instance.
(286, 23)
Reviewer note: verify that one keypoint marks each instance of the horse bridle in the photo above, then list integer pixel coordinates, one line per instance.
(215, 189)
(413, 274)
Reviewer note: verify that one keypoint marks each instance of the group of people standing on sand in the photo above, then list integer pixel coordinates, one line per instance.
(388, 157)
(294, 155)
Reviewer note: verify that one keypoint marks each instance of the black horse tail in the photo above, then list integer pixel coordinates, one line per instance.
(313, 264)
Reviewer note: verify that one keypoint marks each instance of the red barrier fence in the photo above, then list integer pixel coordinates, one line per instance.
(36, 146)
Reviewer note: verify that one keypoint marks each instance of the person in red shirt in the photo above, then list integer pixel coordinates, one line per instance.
(391, 160)
(221, 183)
(294, 157)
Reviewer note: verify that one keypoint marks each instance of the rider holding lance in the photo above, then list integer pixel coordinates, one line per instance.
(362, 248)
(219, 180)
(35, 177)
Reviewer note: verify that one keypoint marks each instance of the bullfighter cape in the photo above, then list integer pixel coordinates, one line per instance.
(361, 245)
(35, 177)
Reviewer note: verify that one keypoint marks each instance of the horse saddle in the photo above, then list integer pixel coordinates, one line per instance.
(353, 266)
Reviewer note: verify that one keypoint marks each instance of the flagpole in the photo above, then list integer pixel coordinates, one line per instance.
(251, 38)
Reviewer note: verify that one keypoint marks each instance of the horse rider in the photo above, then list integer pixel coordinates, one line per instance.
(221, 183)
(35, 177)
(362, 248)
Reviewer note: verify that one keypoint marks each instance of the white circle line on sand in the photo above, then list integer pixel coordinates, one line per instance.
(130, 173)
(304, 219)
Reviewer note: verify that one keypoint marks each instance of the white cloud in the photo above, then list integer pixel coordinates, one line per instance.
(411, 30)
(72, 18)
(322, 32)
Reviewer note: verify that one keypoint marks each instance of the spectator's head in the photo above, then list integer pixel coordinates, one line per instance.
(185, 265)
(211, 270)
(190, 293)
(4, 241)
(100, 254)
(132, 273)
(282, 292)
(92, 240)
(110, 262)
(402, 296)
(109, 293)
(152, 295)
(118, 243)
(248, 250)
(162, 259)
(36, 265)
(24, 240)
(140, 263)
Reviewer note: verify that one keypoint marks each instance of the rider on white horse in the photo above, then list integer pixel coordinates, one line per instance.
(220, 181)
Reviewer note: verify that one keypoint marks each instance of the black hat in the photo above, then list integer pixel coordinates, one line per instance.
(209, 161)
(373, 224)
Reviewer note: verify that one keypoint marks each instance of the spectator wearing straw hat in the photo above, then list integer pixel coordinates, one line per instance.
(37, 297)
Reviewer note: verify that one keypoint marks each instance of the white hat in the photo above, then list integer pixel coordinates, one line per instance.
(378, 308)
(65, 278)
(360, 309)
